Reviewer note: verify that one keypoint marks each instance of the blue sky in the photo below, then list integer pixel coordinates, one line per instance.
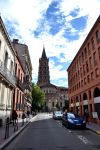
(61, 25)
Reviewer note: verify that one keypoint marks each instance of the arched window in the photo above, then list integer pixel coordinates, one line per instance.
(96, 92)
(84, 96)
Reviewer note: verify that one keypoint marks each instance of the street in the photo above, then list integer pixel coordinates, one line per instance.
(46, 133)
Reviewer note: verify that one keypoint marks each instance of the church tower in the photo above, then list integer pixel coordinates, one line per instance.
(43, 72)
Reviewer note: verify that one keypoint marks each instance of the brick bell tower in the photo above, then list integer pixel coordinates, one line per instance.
(43, 71)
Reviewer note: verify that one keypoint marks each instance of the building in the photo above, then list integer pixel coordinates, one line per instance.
(18, 96)
(24, 57)
(7, 73)
(55, 97)
(84, 76)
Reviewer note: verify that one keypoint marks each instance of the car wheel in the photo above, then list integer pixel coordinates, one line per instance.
(84, 127)
(67, 125)
(62, 123)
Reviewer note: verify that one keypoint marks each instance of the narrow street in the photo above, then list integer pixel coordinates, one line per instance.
(47, 134)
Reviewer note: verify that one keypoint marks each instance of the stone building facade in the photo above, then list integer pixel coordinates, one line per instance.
(7, 72)
(84, 76)
(18, 95)
(55, 97)
(25, 61)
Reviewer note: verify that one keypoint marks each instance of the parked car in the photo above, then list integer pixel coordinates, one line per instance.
(57, 115)
(72, 120)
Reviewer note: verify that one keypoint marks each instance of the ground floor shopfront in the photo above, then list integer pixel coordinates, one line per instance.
(88, 100)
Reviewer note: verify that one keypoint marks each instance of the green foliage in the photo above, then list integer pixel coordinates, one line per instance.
(66, 107)
(38, 98)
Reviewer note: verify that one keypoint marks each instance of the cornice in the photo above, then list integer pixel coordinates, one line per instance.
(6, 36)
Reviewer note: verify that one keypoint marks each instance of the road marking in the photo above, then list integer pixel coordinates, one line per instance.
(69, 131)
(83, 139)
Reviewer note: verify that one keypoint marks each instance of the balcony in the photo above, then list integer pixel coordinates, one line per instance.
(20, 84)
(19, 106)
(7, 74)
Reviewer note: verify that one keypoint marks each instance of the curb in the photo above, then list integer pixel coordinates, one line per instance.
(97, 132)
(11, 138)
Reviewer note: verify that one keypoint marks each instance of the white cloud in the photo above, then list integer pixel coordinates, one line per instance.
(28, 15)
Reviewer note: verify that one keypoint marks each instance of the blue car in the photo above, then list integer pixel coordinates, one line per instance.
(72, 120)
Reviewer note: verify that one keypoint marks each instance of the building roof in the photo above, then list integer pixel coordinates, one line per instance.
(48, 85)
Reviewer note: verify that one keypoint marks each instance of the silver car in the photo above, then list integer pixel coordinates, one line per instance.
(57, 115)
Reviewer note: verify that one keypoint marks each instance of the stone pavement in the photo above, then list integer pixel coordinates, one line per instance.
(13, 131)
(94, 127)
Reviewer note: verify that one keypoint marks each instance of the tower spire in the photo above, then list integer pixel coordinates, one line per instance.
(43, 52)
(43, 73)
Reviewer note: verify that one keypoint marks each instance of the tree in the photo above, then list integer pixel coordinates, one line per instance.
(38, 98)
(66, 107)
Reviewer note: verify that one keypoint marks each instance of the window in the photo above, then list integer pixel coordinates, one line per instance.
(84, 80)
(82, 57)
(11, 67)
(16, 68)
(93, 45)
(6, 59)
(94, 58)
(81, 72)
(18, 73)
(88, 78)
(81, 82)
(96, 72)
(85, 52)
(97, 36)
(99, 52)
(17, 96)
(92, 76)
(89, 49)
(83, 69)
(90, 61)
(87, 67)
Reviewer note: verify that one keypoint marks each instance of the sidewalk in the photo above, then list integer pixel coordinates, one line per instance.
(94, 127)
(12, 132)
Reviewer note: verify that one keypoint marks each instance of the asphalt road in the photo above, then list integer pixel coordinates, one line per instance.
(48, 134)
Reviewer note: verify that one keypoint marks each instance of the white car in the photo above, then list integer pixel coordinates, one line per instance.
(57, 115)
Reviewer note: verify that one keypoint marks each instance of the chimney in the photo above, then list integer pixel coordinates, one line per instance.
(15, 41)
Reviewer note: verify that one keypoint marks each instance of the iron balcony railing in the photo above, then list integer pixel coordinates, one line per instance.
(7, 74)
(20, 84)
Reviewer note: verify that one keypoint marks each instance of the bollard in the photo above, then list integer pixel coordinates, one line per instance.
(22, 121)
(7, 128)
(15, 125)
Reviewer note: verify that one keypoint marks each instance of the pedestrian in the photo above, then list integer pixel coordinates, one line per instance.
(28, 113)
(86, 115)
(14, 117)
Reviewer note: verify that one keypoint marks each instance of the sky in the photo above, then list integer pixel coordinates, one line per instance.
(60, 25)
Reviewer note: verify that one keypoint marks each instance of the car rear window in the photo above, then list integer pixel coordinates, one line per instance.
(73, 116)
